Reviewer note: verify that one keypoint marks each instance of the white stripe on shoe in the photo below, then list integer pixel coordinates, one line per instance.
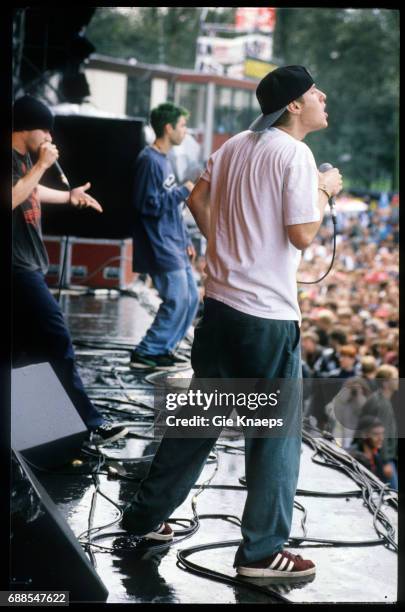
(283, 564)
(276, 560)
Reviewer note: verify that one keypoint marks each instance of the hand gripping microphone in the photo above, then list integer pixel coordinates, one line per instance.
(324, 168)
(59, 170)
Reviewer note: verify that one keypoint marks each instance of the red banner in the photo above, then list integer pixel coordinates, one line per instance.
(255, 18)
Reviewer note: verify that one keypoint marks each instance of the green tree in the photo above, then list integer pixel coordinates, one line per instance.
(165, 35)
(354, 57)
(156, 35)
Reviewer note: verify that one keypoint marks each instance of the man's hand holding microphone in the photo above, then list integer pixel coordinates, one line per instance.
(331, 183)
(48, 156)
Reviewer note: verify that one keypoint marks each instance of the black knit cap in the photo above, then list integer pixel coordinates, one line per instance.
(31, 114)
(278, 88)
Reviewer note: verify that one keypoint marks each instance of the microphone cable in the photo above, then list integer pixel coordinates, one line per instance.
(332, 260)
(62, 274)
(324, 168)
(65, 181)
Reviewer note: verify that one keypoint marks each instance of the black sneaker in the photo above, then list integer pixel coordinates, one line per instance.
(162, 532)
(166, 361)
(107, 432)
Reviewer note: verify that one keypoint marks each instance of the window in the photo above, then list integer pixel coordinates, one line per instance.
(138, 96)
(235, 109)
(192, 96)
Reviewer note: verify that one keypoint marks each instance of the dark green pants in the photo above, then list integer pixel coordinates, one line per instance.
(231, 344)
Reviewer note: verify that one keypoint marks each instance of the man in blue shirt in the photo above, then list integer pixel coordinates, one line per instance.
(161, 244)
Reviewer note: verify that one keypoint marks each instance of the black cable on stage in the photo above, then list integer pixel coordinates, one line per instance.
(319, 493)
(315, 493)
(135, 417)
(347, 464)
(131, 402)
(184, 563)
(88, 533)
(185, 533)
(299, 492)
(187, 565)
(367, 490)
(102, 345)
(293, 542)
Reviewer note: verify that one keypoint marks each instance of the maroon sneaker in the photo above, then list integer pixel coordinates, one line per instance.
(281, 564)
(162, 533)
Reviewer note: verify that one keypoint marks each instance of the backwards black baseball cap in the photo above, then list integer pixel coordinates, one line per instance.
(31, 114)
(278, 88)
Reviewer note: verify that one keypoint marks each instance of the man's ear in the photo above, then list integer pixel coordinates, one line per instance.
(168, 129)
(294, 107)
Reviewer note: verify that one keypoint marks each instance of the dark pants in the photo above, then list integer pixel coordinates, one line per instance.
(231, 344)
(40, 334)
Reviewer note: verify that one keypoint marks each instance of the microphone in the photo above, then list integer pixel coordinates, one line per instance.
(62, 175)
(324, 168)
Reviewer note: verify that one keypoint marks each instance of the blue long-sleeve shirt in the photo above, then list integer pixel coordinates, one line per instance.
(160, 236)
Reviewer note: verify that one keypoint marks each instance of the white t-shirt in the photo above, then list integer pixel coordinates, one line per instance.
(260, 183)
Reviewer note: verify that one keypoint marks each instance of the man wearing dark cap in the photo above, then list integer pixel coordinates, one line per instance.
(259, 203)
(39, 330)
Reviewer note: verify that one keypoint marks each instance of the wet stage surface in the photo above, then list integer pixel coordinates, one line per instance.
(104, 327)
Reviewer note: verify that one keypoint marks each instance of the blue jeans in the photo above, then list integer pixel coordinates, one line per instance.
(179, 294)
(393, 481)
(231, 344)
(40, 334)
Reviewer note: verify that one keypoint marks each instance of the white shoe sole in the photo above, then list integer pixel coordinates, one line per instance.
(159, 536)
(257, 572)
(141, 366)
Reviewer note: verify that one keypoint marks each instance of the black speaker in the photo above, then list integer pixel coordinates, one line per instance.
(102, 151)
(45, 426)
(44, 552)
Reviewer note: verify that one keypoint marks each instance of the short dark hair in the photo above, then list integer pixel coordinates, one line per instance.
(366, 423)
(338, 336)
(285, 117)
(166, 113)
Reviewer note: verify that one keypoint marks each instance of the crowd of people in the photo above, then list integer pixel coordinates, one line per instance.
(350, 332)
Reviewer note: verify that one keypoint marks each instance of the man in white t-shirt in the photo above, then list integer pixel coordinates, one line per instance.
(259, 203)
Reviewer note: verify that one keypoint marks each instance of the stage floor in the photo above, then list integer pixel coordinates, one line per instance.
(150, 575)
